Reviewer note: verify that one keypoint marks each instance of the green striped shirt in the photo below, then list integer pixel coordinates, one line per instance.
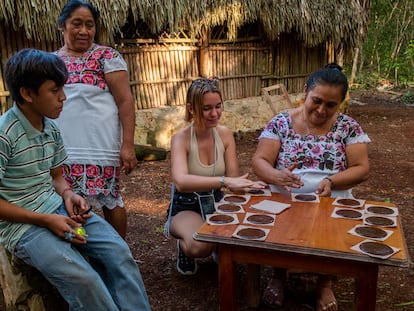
(26, 158)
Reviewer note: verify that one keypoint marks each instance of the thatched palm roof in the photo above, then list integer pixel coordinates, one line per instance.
(316, 21)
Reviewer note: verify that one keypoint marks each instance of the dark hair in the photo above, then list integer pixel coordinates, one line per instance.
(73, 5)
(331, 74)
(195, 95)
(30, 68)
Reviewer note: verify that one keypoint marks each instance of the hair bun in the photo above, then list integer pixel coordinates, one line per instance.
(334, 66)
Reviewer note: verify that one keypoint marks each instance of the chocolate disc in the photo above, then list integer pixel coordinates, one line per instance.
(348, 213)
(239, 192)
(305, 197)
(260, 219)
(382, 210)
(235, 199)
(228, 207)
(251, 233)
(349, 202)
(221, 219)
(379, 221)
(371, 232)
(255, 191)
(376, 248)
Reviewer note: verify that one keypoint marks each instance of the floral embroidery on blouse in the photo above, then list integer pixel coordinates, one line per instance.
(89, 68)
(310, 152)
(91, 179)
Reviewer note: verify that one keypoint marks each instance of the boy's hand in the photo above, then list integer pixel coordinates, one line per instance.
(77, 208)
(63, 226)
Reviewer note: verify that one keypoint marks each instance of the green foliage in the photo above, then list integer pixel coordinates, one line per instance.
(408, 98)
(388, 51)
(159, 229)
(409, 53)
(365, 80)
(404, 304)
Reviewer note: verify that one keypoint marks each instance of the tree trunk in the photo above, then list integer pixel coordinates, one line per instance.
(204, 65)
(354, 66)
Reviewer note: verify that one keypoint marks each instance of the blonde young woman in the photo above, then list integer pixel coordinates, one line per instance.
(203, 160)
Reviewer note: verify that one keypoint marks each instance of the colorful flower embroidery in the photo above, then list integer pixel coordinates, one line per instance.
(90, 179)
(88, 79)
(76, 170)
(89, 68)
(325, 152)
(100, 183)
(92, 171)
(92, 64)
(108, 172)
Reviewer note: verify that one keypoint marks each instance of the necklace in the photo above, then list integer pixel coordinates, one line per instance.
(315, 130)
(305, 122)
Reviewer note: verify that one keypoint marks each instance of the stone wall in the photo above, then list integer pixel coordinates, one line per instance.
(156, 126)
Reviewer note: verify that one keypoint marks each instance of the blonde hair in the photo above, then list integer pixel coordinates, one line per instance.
(195, 95)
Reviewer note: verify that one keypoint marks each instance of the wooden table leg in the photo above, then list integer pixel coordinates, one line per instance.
(366, 288)
(253, 285)
(226, 280)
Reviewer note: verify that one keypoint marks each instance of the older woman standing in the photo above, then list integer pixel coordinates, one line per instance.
(98, 118)
(313, 148)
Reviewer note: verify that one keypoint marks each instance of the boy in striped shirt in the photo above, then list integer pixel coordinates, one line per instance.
(39, 213)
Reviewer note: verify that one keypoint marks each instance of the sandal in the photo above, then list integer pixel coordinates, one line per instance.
(274, 293)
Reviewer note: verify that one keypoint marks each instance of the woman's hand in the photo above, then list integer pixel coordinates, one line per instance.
(239, 183)
(286, 179)
(263, 162)
(128, 159)
(118, 83)
(324, 188)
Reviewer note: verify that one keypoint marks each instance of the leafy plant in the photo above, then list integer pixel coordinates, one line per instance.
(388, 51)
(408, 98)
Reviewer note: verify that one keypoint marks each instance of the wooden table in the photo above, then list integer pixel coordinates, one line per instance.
(304, 237)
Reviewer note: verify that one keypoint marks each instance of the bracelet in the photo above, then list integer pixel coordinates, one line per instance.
(222, 181)
(64, 190)
(330, 180)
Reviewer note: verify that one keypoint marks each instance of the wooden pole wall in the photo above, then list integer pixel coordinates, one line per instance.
(12, 41)
(161, 72)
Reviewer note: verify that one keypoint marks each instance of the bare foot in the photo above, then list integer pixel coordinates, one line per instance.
(326, 299)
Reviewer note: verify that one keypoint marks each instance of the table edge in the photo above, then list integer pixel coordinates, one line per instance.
(317, 252)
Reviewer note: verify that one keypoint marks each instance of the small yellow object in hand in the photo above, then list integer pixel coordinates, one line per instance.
(81, 231)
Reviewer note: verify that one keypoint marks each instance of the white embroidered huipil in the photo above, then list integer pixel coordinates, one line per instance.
(89, 122)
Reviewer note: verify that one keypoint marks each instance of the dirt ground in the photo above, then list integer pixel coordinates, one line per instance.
(390, 125)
